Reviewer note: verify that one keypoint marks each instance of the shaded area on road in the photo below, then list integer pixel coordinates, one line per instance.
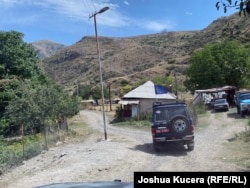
(168, 149)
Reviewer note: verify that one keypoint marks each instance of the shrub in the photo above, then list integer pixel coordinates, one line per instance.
(14, 152)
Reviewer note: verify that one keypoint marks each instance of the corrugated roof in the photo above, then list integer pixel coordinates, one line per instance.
(214, 90)
(147, 90)
(126, 102)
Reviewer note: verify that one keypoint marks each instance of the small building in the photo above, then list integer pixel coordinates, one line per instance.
(140, 100)
(206, 96)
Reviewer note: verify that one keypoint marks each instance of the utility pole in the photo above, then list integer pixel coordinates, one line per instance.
(110, 102)
(100, 66)
(176, 85)
(77, 97)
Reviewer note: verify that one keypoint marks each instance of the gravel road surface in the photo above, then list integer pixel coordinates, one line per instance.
(126, 150)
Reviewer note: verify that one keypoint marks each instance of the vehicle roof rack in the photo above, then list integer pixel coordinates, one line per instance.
(167, 103)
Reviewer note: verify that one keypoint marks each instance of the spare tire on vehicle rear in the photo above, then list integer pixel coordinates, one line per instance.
(179, 124)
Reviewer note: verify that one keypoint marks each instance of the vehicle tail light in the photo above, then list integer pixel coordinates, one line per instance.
(153, 131)
(192, 128)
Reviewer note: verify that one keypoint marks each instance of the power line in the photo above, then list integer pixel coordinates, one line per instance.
(88, 4)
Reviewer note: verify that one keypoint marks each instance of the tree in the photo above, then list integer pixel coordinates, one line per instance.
(33, 106)
(83, 91)
(7, 88)
(29, 99)
(18, 60)
(243, 6)
(167, 81)
(17, 57)
(21, 112)
(219, 64)
(96, 93)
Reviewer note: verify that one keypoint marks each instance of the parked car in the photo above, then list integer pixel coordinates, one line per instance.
(242, 101)
(172, 123)
(212, 102)
(221, 104)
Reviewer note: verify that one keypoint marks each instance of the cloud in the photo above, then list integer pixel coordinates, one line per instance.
(126, 2)
(74, 10)
(189, 13)
(157, 26)
(78, 11)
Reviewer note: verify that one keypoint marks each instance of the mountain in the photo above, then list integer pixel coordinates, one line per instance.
(46, 48)
(138, 58)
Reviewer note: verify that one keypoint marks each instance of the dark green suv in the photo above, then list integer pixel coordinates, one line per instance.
(172, 123)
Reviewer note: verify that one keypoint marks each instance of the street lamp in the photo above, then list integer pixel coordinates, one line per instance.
(100, 66)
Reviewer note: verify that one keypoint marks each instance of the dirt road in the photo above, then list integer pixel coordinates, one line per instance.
(126, 150)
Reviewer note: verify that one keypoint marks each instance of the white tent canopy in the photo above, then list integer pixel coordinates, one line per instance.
(147, 91)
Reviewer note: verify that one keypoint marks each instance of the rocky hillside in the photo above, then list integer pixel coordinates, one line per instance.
(141, 57)
(47, 48)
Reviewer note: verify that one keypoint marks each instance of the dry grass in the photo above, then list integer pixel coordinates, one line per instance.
(238, 152)
(136, 58)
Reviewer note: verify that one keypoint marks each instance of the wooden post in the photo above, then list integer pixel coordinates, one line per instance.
(110, 102)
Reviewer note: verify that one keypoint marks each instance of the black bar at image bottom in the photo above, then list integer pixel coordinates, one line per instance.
(194, 179)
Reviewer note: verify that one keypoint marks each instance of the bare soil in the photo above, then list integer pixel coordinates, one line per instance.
(125, 151)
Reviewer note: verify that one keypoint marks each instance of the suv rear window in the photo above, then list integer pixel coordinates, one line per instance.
(164, 114)
(177, 110)
(160, 115)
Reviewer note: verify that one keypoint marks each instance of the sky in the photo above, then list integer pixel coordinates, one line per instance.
(68, 21)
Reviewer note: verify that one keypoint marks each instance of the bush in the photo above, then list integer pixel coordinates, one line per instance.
(14, 152)
(245, 136)
(200, 109)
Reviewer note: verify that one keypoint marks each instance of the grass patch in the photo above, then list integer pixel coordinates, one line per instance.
(143, 124)
(238, 152)
(203, 122)
(78, 128)
(12, 153)
(218, 115)
(237, 149)
(200, 109)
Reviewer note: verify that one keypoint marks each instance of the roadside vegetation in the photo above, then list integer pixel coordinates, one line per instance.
(219, 64)
(33, 108)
